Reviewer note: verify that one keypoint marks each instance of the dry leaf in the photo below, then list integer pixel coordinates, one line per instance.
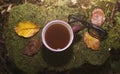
(26, 29)
(32, 47)
(98, 17)
(91, 42)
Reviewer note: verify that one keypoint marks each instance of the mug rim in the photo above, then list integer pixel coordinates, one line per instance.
(65, 24)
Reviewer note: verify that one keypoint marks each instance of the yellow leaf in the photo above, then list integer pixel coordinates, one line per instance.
(26, 29)
(91, 42)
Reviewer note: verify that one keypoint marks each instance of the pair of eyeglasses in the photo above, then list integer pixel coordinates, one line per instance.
(93, 30)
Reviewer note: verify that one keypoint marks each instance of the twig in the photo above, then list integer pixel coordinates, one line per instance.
(9, 7)
(113, 12)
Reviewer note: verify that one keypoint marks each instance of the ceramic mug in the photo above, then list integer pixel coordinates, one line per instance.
(57, 35)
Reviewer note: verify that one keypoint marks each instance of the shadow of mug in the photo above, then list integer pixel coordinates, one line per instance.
(55, 58)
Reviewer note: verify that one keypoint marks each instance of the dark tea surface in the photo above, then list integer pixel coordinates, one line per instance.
(57, 36)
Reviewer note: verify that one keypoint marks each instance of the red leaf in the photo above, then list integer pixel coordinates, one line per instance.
(32, 47)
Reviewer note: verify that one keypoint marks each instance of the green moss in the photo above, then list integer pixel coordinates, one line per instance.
(114, 38)
(74, 57)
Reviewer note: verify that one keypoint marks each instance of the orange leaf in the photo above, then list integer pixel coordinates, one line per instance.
(91, 42)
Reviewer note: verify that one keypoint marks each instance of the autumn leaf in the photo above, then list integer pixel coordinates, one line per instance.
(98, 17)
(32, 47)
(91, 42)
(26, 29)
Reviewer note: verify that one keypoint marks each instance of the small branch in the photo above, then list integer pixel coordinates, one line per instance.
(9, 7)
(112, 13)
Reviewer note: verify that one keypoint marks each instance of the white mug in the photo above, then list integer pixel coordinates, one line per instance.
(56, 22)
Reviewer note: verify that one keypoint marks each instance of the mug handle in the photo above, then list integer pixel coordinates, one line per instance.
(76, 28)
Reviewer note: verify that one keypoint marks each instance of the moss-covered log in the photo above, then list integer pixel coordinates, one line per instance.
(73, 57)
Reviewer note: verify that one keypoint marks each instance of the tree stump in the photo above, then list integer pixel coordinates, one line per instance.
(74, 56)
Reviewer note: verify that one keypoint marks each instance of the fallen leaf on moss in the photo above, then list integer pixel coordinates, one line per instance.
(32, 47)
(98, 17)
(26, 29)
(91, 42)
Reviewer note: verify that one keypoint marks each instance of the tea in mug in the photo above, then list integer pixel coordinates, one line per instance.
(57, 36)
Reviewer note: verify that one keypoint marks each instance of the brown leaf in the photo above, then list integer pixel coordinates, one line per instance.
(32, 47)
(98, 17)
